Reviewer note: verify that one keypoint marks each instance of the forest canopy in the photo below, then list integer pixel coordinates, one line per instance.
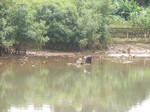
(67, 24)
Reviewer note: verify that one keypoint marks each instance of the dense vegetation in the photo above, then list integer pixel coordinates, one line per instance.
(67, 24)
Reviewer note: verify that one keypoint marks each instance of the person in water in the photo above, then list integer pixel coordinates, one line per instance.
(87, 60)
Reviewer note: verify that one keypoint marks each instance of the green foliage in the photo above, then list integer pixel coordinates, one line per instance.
(93, 21)
(6, 29)
(61, 23)
(143, 2)
(28, 31)
(83, 43)
(36, 34)
(118, 22)
(141, 20)
(6, 33)
(19, 28)
(128, 13)
(124, 8)
(4, 7)
(147, 18)
(75, 21)
(104, 11)
(31, 23)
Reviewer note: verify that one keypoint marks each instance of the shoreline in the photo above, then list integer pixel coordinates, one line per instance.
(138, 50)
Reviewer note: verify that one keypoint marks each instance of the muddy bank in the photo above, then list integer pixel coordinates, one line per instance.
(136, 50)
(128, 53)
(114, 50)
(115, 53)
(49, 53)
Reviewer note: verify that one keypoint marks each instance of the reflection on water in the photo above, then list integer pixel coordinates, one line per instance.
(32, 108)
(41, 84)
(144, 106)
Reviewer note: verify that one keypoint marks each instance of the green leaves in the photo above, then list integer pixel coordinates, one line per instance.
(19, 28)
(36, 34)
(58, 21)
(141, 20)
(124, 8)
(61, 23)
(6, 29)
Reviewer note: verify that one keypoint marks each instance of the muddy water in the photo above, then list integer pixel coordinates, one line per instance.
(49, 84)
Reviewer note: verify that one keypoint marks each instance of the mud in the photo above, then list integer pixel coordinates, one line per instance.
(116, 53)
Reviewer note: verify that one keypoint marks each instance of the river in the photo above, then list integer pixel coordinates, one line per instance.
(52, 84)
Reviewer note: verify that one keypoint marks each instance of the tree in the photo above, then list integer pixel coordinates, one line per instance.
(80, 23)
(124, 8)
(6, 29)
(61, 23)
(28, 32)
(6, 33)
(104, 11)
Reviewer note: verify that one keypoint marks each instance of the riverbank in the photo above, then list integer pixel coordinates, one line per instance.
(114, 50)
(136, 50)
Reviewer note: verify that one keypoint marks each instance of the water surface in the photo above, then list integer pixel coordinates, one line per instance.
(49, 84)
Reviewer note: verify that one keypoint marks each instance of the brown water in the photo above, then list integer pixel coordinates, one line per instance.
(41, 84)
